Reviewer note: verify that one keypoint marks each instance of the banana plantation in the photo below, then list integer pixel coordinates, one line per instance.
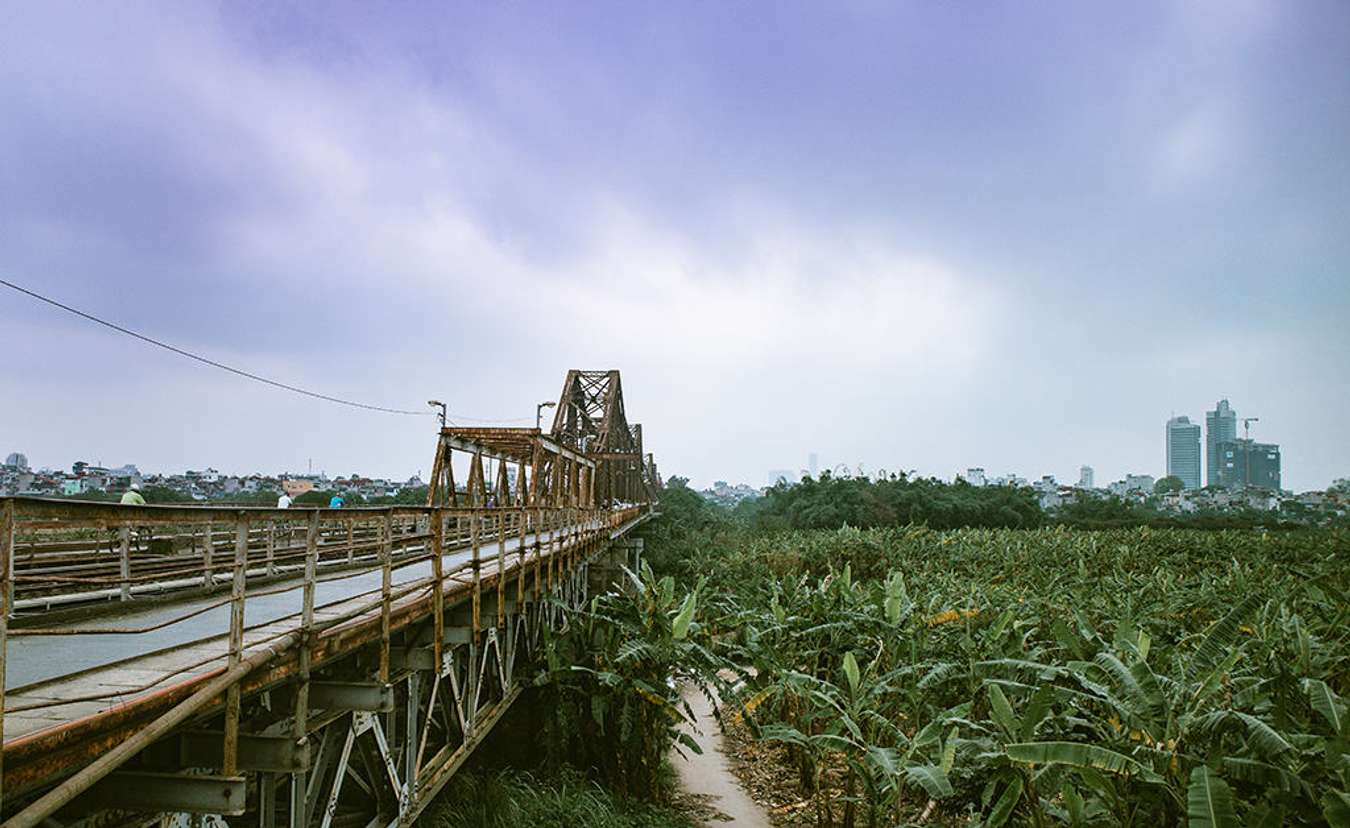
(1027, 677)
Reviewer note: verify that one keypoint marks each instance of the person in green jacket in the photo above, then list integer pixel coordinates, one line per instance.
(132, 496)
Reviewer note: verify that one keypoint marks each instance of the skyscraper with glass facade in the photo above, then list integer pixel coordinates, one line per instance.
(1183, 451)
(1220, 426)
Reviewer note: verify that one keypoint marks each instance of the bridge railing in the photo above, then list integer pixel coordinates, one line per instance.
(58, 555)
(67, 553)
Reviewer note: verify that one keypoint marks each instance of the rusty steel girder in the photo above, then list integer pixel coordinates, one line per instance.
(590, 418)
(443, 642)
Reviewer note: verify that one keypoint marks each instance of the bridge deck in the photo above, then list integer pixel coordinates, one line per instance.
(71, 691)
(46, 669)
(40, 663)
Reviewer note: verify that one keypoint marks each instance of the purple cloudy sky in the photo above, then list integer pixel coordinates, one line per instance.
(918, 235)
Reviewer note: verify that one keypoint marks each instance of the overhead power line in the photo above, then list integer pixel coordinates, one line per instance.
(214, 364)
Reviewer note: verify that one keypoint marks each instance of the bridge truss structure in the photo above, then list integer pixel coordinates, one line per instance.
(301, 667)
(590, 418)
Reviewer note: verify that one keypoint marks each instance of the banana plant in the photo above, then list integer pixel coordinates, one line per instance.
(1133, 677)
(878, 756)
(615, 676)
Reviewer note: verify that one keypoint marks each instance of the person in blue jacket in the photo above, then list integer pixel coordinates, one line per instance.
(335, 502)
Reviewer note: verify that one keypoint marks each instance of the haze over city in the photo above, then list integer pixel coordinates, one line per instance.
(909, 237)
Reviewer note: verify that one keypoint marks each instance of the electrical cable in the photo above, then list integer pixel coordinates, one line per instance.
(237, 371)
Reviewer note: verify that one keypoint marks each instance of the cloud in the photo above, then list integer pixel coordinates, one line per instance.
(875, 265)
(782, 291)
(1199, 145)
(358, 216)
(368, 187)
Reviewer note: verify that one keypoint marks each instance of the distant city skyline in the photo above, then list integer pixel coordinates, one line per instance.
(1183, 451)
(1182, 459)
(1186, 457)
(221, 468)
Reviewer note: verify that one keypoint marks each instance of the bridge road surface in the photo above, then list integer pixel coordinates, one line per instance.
(55, 668)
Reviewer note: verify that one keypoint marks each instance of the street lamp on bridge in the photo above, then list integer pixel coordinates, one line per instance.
(539, 412)
(441, 406)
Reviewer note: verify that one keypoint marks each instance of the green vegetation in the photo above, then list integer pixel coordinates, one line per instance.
(608, 710)
(830, 502)
(406, 497)
(416, 496)
(613, 683)
(1168, 484)
(979, 675)
(509, 799)
(319, 498)
(1116, 513)
(267, 498)
(1050, 676)
(96, 497)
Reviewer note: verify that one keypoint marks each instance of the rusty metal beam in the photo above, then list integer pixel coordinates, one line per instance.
(202, 749)
(368, 696)
(169, 792)
(487, 449)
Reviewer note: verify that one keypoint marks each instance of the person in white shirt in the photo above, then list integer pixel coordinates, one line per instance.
(284, 502)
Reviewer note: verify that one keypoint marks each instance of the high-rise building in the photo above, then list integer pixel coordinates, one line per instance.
(1085, 476)
(813, 464)
(1220, 425)
(975, 476)
(1244, 463)
(17, 460)
(1183, 451)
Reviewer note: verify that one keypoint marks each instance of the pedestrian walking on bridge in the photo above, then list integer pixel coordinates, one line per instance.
(132, 496)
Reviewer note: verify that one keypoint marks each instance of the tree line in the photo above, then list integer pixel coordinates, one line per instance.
(830, 502)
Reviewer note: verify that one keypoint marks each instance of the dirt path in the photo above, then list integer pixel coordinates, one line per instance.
(708, 776)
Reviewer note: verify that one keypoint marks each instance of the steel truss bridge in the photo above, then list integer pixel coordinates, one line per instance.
(333, 667)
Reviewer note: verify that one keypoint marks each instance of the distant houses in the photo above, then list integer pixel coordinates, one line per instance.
(85, 479)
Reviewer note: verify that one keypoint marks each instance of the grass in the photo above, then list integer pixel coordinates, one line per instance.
(511, 798)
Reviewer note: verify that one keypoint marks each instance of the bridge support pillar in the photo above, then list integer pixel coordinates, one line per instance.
(606, 567)
(632, 549)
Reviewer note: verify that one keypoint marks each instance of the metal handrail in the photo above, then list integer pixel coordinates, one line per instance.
(36, 534)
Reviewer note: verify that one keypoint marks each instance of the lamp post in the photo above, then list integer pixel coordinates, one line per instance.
(441, 406)
(539, 413)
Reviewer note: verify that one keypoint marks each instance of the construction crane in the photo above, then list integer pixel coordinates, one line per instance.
(1246, 426)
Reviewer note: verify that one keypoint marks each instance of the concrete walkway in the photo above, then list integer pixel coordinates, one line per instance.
(709, 775)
